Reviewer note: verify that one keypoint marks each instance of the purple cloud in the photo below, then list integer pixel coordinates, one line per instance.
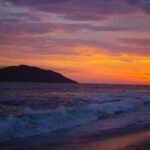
(86, 9)
(21, 28)
(49, 46)
(30, 23)
(137, 41)
(10, 28)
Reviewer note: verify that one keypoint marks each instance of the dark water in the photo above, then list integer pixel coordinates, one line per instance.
(30, 109)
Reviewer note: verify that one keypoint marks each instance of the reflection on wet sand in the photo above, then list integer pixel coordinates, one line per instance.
(117, 143)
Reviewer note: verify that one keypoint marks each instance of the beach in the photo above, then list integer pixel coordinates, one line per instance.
(74, 74)
(127, 139)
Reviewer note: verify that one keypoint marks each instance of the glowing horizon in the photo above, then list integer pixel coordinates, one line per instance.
(92, 41)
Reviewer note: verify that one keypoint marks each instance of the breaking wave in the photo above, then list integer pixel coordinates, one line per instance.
(32, 122)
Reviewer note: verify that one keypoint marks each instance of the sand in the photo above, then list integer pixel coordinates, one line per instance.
(119, 142)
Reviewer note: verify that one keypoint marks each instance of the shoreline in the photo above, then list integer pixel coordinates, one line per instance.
(127, 138)
(123, 139)
(144, 145)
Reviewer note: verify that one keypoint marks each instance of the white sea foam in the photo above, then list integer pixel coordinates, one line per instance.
(37, 122)
(116, 96)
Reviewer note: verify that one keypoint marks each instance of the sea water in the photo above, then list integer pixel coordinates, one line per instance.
(32, 109)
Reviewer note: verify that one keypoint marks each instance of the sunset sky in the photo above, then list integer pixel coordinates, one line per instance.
(91, 41)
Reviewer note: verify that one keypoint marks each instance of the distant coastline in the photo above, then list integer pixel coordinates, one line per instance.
(24, 73)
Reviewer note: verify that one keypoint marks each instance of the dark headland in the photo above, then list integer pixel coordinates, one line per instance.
(24, 73)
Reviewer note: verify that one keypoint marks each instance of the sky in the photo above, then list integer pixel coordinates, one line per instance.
(90, 41)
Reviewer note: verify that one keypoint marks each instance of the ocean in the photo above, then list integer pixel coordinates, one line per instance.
(29, 110)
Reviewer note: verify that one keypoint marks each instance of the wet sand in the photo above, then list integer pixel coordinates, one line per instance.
(121, 142)
(145, 145)
(129, 138)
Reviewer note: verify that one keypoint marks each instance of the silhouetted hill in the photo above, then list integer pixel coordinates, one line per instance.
(24, 73)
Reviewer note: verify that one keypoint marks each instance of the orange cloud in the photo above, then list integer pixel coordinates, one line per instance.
(88, 66)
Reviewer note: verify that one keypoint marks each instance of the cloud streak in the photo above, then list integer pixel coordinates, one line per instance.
(137, 41)
(86, 9)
